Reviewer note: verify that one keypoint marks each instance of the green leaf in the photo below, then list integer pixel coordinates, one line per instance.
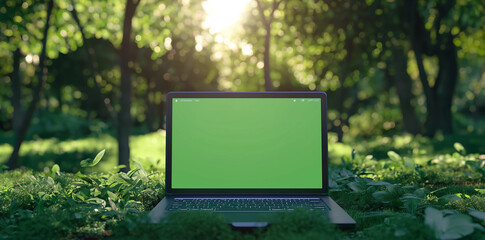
(91, 163)
(79, 184)
(410, 196)
(40, 194)
(449, 198)
(411, 205)
(433, 218)
(420, 193)
(79, 175)
(459, 148)
(86, 162)
(378, 183)
(131, 173)
(95, 192)
(112, 196)
(87, 179)
(379, 214)
(79, 196)
(127, 179)
(117, 168)
(394, 190)
(383, 196)
(457, 226)
(394, 156)
(50, 181)
(477, 214)
(98, 157)
(95, 200)
(481, 191)
(55, 168)
(141, 173)
(110, 213)
(409, 162)
(452, 226)
(355, 187)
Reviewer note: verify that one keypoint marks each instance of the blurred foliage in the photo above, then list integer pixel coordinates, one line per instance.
(343, 47)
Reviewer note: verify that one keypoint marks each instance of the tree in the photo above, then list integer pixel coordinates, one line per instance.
(342, 50)
(12, 16)
(267, 20)
(397, 71)
(16, 91)
(41, 79)
(448, 19)
(124, 116)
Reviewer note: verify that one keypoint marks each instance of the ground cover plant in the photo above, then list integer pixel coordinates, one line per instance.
(399, 196)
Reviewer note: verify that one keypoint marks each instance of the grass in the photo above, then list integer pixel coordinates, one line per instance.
(41, 154)
(395, 188)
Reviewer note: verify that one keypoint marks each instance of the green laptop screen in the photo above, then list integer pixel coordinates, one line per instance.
(246, 143)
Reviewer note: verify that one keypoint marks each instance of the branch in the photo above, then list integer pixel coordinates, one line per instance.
(276, 4)
(261, 12)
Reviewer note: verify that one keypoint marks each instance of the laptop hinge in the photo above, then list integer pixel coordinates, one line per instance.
(247, 194)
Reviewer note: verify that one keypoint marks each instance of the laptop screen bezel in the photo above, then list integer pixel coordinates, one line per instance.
(255, 191)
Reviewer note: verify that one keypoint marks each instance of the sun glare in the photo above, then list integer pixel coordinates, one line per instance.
(223, 14)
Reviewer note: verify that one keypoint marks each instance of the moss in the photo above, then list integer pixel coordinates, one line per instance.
(476, 202)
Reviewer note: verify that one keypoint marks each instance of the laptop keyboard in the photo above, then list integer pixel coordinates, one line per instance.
(245, 204)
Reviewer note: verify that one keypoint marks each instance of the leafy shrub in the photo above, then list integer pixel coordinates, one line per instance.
(399, 228)
(50, 223)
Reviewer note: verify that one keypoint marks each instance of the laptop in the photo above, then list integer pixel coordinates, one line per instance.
(247, 156)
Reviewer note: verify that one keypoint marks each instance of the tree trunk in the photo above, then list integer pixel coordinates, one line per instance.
(124, 117)
(340, 109)
(58, 93)
(161, 115)
(348, 45)
(150, 110)
(403, 85)
(268, 84)
(418, 42)
(439, 96)
(42, 76)
(16, 91)
(448, 75)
